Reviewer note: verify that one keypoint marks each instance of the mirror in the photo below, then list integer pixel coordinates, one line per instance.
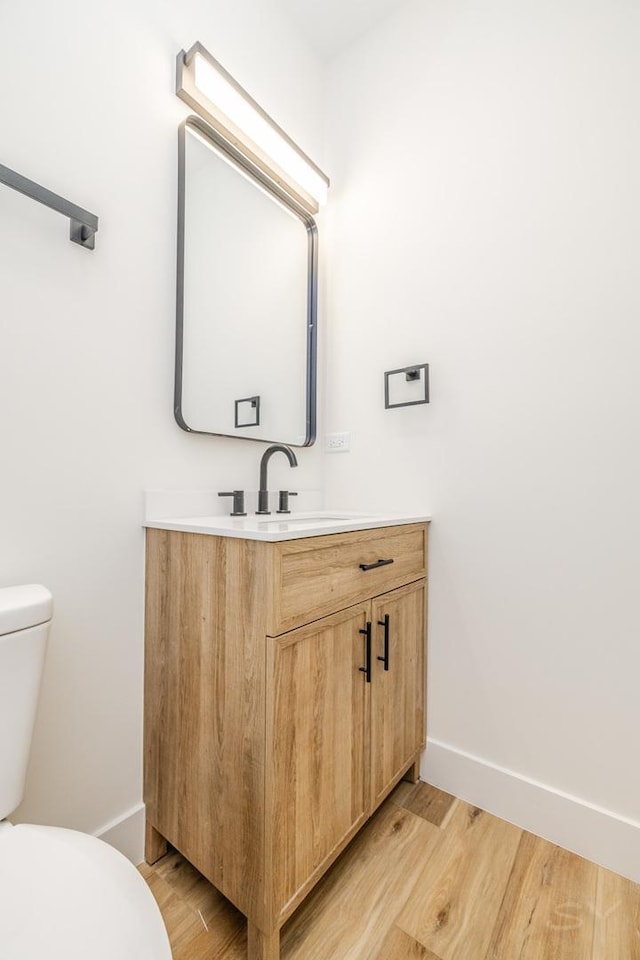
(247, 292)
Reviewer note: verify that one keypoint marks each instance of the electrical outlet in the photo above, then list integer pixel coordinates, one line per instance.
(337, 442)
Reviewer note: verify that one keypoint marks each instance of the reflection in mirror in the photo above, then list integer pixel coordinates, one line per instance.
(246, 331)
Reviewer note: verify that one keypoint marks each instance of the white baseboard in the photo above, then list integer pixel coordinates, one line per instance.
(126, 834)
(592, 832)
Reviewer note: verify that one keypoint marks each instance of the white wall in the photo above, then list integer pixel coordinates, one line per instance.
(485, 164)
(484, 218)
(86, 349)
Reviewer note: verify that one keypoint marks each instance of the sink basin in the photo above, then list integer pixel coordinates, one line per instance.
(286, 527)
(311, 518)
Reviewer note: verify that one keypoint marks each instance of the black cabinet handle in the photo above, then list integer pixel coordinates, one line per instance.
(367, 668)
(385, 623)
(372, 566)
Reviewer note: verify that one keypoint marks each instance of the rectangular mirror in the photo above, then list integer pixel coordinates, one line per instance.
(247, 298)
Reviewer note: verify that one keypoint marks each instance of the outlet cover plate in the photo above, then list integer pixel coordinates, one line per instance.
(337, 442)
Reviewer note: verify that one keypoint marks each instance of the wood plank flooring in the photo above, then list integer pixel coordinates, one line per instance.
(428, 878)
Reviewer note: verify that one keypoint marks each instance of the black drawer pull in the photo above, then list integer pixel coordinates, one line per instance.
(372, 566)
(367, 668)
(385, 623)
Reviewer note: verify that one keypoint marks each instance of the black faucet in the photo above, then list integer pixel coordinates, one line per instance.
(263, 492)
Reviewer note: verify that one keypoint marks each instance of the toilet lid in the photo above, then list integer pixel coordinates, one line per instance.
(68, 896)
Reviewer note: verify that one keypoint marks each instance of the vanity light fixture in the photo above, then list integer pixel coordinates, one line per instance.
(212, 92)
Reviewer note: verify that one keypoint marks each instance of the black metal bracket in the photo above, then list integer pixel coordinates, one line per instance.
(244, 406)
(416, 373)
(83, 225)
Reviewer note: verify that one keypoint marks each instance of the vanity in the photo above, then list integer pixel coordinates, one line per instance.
(284, 695)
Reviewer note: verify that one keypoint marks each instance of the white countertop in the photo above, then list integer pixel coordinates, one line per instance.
(285, 527)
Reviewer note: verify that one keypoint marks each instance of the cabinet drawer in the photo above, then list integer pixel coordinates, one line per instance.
(319, 575)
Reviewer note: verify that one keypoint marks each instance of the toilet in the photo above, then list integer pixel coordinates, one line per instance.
(64, 895)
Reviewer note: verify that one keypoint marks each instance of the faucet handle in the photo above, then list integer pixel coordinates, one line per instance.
(283, 500)
(238, 502)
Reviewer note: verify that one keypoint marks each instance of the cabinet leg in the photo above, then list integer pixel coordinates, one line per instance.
(413, 773)
(263, 946)
(155, 845)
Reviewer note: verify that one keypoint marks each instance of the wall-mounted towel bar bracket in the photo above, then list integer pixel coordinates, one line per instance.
(83, 225)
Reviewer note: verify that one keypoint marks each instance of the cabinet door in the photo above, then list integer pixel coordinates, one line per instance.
(398, 684)
(317, 702)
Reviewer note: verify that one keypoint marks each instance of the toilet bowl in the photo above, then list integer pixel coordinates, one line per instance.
(63, 894)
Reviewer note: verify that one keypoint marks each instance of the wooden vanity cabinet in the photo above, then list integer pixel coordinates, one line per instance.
(267, 742)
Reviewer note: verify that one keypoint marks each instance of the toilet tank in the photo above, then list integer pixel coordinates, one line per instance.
(25, 614)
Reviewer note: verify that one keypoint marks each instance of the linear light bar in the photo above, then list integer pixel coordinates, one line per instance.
(207, 87)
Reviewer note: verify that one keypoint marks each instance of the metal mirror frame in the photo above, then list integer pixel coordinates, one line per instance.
(276, 190)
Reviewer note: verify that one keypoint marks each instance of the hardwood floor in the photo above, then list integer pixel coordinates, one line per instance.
(428, 878)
